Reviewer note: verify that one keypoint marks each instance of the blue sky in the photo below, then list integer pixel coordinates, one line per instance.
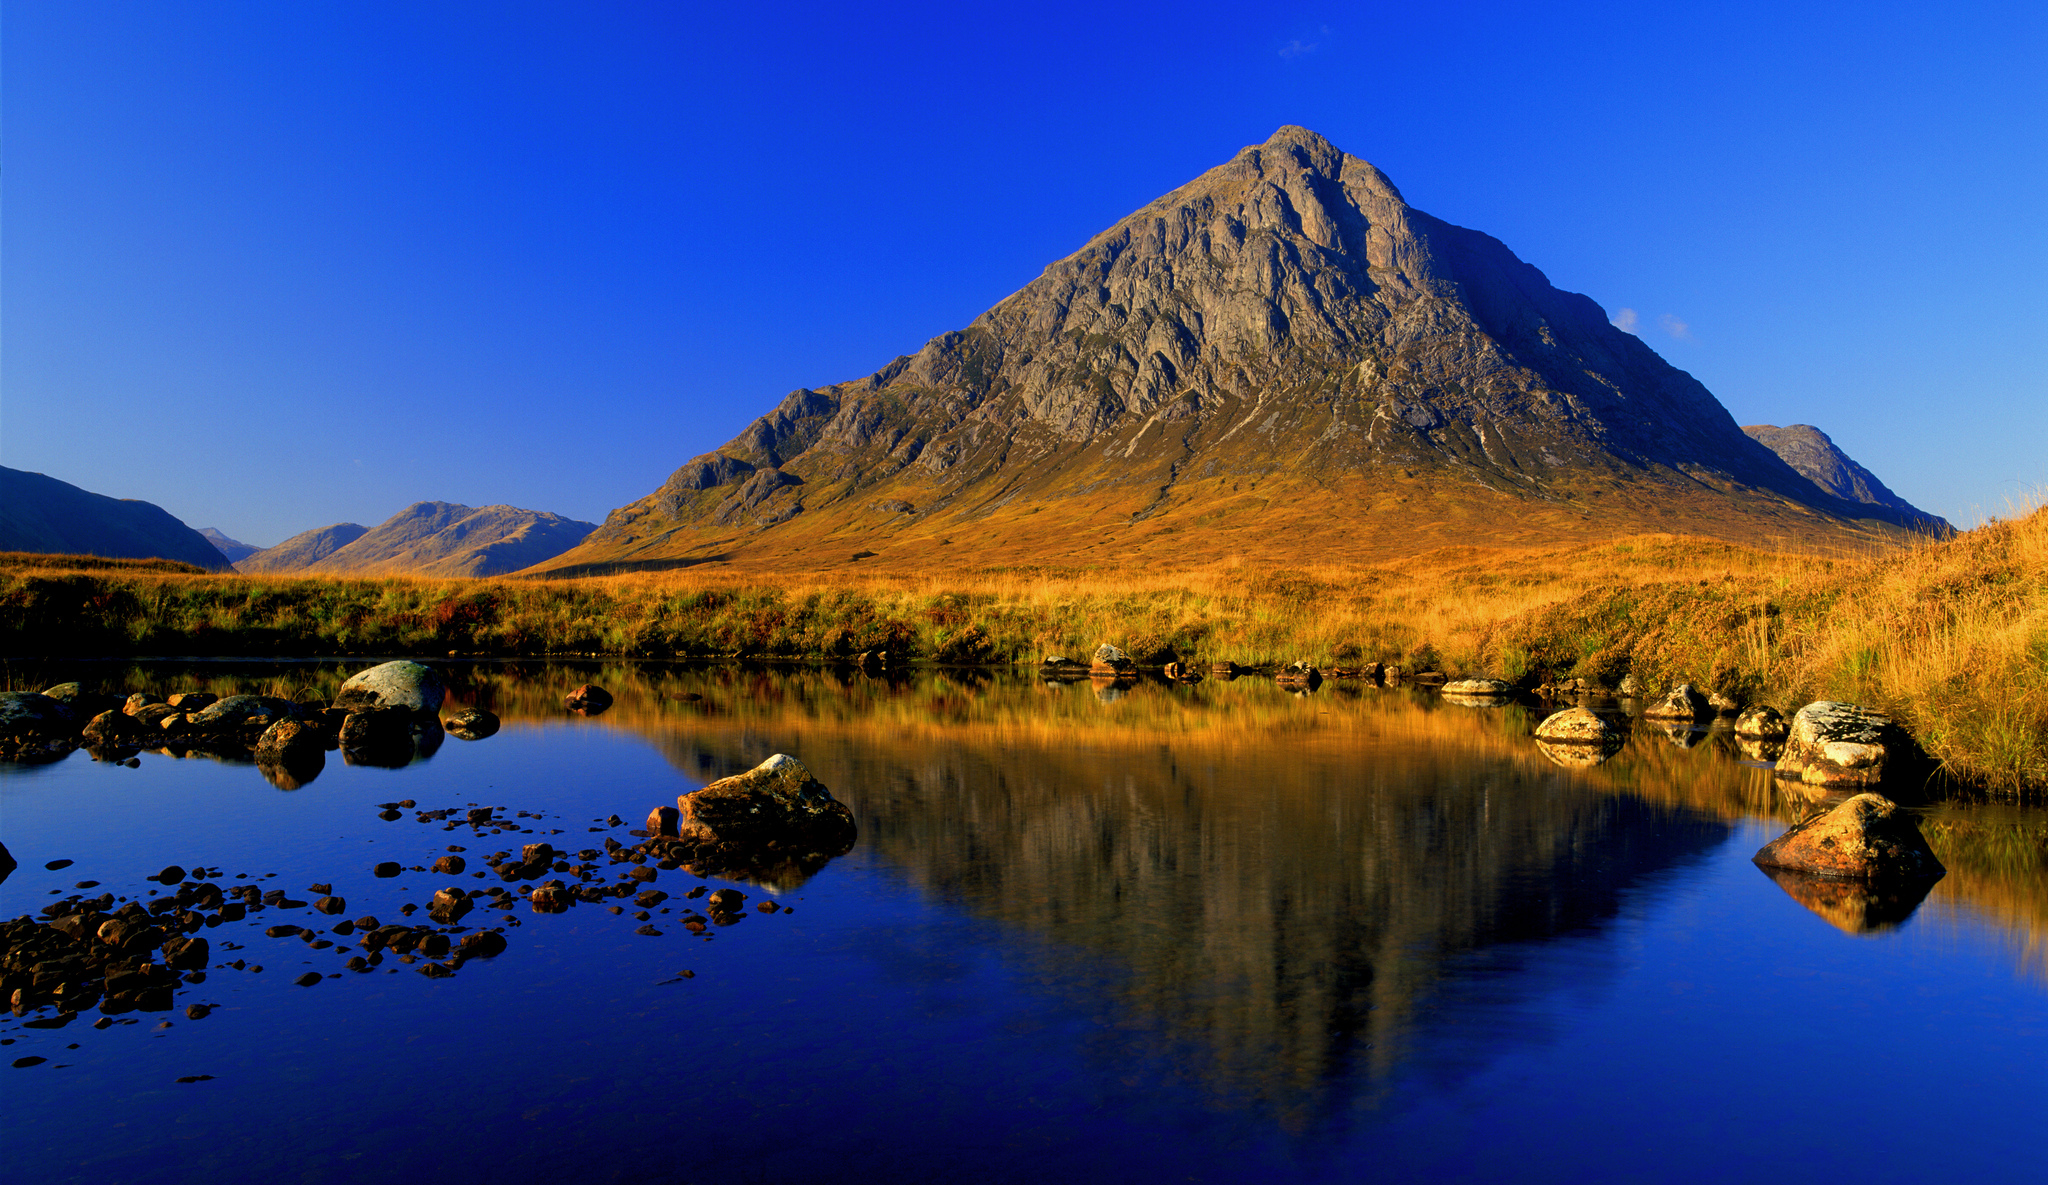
(274, 266)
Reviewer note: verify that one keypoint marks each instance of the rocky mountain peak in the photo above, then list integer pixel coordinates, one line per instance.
(1286, 317)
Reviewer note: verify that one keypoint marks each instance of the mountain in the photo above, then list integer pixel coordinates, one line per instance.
(42, 514)
(1808, 449)
(302, 550)
(1280, 360)
(231, 548)
(428, 539)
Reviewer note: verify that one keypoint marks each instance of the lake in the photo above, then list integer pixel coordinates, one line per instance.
(1219, 932)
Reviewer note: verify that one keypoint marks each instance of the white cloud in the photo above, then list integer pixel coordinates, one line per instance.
(1675, 327)
(1296, 48)
(1625, 320)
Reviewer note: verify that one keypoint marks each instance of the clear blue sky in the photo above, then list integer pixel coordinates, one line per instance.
(274, 266)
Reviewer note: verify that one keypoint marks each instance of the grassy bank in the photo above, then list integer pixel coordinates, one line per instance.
(1952, 637)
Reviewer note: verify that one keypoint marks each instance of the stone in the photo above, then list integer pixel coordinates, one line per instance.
(485, 944)
(193, 701)
(1479, 687)
(1762, 723)
(471, 724)
(1630, 686)
(552, 897)
(777, 801)
(1576, 726)
(450, 865)
(662, 821)
(1682, 702)
(377, 728)
(1865, 838)
(588, 699)
(308, 979)
(111, 727)
(1299, 675)
(25, 714)
(1578, 754)
(1183, 672)
(241, 711)
(1837, 744)
(449, 905)
(726, 901)
(138, 701)
(399, 684)
(331, 905)
(1109, 660)
(386, 869)
(187, 954)
(1723, 703)
(291, 742)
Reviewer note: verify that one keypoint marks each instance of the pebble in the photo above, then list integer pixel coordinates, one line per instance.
(308, 979)
(23, 1063)
(53, 866)
(190, 1078)
(197, 1011)
(330, 905)
(171, 874)
(281, 931)
(650, 931)
(387, 869)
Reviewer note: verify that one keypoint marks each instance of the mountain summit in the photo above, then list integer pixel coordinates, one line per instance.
(1279, 358)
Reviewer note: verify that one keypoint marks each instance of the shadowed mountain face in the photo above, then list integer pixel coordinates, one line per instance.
(1280, 355)
(1808, 449)
(233, 549)
(42, 514)
(428, 539)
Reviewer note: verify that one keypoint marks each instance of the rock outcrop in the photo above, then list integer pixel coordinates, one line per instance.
(1866, 838)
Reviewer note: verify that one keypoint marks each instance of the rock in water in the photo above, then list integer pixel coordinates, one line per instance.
(1576, 726)
(1865, 838)
(1680, 703)
(1111, 661)
(777, 801)
(399, 684)
(1479, 687)
(589, 699)
(1836, 744)
(471, 724)
(290, 742)
(377, 728)
(662, 821)
(1762, 723)
(241, 711)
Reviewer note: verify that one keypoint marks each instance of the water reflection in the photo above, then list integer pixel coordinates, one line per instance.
(1853, 907)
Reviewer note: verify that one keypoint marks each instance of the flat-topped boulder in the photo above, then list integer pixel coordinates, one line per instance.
(239, 711)
(400, 684)
(1866, 838)
(1837, 744)
(1479, 688)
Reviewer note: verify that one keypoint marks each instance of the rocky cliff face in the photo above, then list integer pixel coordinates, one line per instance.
(1281, 355)
(428, 539)
(1808, 450)
(42, 514)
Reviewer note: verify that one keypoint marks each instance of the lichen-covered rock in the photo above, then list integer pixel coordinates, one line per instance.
(1680, 703)
(1762, 723)
(1576, 726)
(291, 742)
(1868, 837)
(235, 712)
(399, 684)
(1837, 744)
(471, 724)
(1479, 687)
(777, 801)
(30, 713)
(1109, 660)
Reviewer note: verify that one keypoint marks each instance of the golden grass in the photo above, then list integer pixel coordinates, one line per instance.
(1950, 636)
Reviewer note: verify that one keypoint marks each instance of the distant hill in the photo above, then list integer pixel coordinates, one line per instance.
(233, 549)
(303, 550)
(428, 539)
(1808, 449)
(42, 514)
(1282, 361)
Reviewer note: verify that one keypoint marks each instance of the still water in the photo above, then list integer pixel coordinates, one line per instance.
(1210, 933)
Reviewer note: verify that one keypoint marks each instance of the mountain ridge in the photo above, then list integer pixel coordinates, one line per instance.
(434, 539)
(39, 513)
(1816, 457)
(1395, 382)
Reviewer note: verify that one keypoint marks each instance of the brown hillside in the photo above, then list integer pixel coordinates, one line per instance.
(1281, 358)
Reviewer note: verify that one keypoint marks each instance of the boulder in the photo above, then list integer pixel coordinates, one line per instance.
(589, 699)
(1111, 661)
(662, 821)
(471, 724)
(1477, 688)
(291, 743)
(449, 905)
(1300, 675)
(1762, 723)
(31, 713)
(1577, 726)
(1866, 838)
(236, 712)
(377, 728)
(140, 700)
(193, 701)
(111, 727)
(1723, 703)
(1630, 685)
(1225, 670)
(1837, 744)
(400, 684)
(777, 801)
(1680, 703)
(450, 865)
